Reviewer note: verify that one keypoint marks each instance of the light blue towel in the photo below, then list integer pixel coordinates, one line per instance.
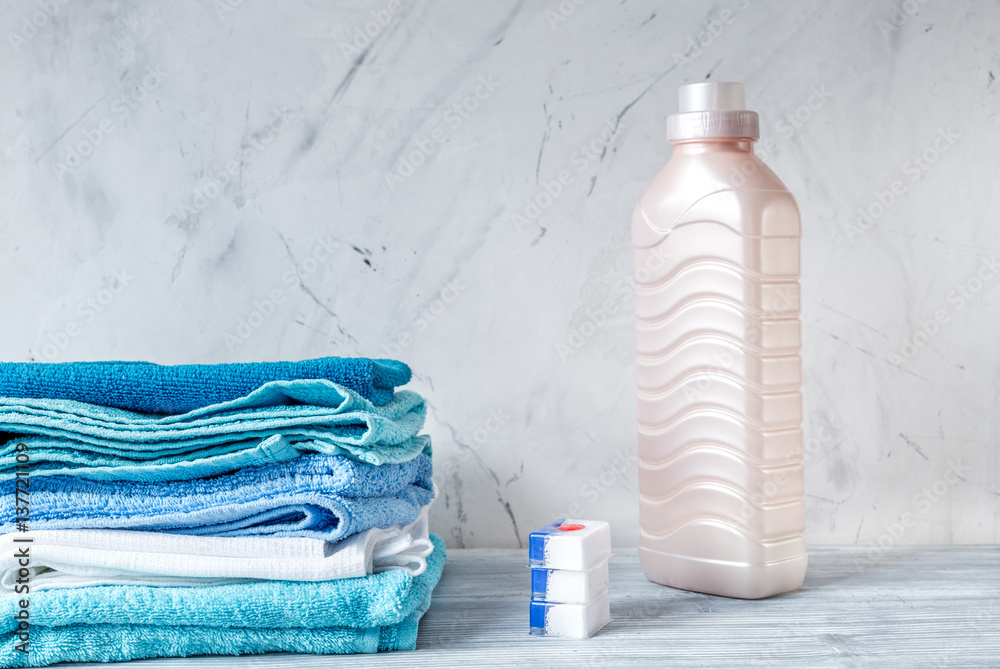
(172, 389)
(116, 623)
(319, 496)
(311, 415)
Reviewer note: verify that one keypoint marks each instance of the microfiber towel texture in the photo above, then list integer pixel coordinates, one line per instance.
(319, 496)
(117, 623)
(311, 415)
(175, 389)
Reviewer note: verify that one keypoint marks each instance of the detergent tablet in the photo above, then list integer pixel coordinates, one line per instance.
(574, 621)
(569, 586)
(570, 544)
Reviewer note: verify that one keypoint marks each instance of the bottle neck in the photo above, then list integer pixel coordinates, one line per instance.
(706, 144)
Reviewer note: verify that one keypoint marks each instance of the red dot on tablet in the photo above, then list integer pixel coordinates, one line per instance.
(572, 527)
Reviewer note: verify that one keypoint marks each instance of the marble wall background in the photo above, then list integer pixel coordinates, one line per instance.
(204, 181)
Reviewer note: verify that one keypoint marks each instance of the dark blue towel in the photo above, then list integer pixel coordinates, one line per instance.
(144, 386)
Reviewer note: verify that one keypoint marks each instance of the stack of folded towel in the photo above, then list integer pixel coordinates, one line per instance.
(154, 511)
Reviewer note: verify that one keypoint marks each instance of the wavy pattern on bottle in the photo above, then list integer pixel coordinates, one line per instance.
(678, 269)
(719, 375)
(715, 413)
(709, 538)
(766, 410)
(757, 257)
(757, 299)
(771, 521)
(744, 464)
(758, 212)
(773, 480)
(701, 351)
(712, 487)
(706, 427)
(708, 375)
(711, 315)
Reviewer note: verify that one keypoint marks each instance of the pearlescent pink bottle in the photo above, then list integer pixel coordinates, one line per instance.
(716, 251)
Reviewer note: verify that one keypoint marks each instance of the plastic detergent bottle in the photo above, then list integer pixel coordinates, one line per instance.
(716, 250)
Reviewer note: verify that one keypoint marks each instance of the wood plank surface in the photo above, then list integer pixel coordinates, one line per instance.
(911, 606)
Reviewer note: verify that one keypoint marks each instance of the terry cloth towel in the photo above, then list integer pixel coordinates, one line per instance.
(319, 496)
(173, 389)
(116, 623)
(59, 461)
(312, 415)
(78, 558)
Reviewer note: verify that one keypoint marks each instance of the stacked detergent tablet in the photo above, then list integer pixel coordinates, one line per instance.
(569, 578)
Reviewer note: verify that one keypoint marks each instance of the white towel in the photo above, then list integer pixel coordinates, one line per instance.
(77, 558)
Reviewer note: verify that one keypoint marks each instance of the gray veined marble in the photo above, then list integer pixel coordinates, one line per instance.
(451, 183)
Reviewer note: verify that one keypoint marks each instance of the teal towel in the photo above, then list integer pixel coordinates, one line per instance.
(171, 389)
(67, 437)
(116, 623)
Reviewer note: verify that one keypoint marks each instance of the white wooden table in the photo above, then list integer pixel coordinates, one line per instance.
(925, 606)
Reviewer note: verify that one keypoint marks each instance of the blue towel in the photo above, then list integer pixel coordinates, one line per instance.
(319, 496)
(116, 623)
(311, 415)
(52, 457)
(144, 386)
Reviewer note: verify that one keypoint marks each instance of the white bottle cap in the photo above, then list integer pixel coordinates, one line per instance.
(712, 96)
(712, 109)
